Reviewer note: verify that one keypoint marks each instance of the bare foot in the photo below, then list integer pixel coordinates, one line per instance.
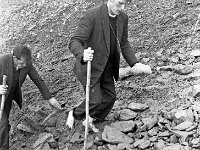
(90, 124)
(70, 119)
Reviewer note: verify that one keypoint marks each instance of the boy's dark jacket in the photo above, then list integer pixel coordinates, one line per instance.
(6, 68)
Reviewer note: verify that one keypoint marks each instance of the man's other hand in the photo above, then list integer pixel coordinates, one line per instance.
(140, 68)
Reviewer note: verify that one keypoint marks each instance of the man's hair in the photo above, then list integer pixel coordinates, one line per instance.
(22, 51)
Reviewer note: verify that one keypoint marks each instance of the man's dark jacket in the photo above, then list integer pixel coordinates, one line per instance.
(94, 31)
(6, 68)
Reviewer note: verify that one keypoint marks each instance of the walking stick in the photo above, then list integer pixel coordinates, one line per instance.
(87, 101)
(3, 98)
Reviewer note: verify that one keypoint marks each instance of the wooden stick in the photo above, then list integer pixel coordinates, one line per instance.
(3, 98)
(87, 101)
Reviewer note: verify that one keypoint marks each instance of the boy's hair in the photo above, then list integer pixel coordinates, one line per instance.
(22, 51)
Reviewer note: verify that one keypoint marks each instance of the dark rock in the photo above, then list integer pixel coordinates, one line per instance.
(53, 144)
(98, 141)
(183, 69)
(127, 114)
(174, 139)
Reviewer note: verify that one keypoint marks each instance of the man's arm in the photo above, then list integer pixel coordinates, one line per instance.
(79, 41)
(129, 55)
(40, 83)
(127, 50)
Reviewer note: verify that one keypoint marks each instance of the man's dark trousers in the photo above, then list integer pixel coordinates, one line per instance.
(102, 98)
(5, 126)
(4, 132)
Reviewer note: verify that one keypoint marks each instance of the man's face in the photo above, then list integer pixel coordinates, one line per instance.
(116, 6)
(19, 63)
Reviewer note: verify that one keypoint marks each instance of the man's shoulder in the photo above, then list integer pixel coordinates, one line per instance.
(93, 11)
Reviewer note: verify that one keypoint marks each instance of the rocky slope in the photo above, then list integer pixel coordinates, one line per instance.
(163, 33)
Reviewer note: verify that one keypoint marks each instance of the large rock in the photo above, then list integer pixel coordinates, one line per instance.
(183, 69)
(174, 147)
(114, 136)
(183, 126)
(43, 138)
(137, 106)
(127, 114)
(124, 126)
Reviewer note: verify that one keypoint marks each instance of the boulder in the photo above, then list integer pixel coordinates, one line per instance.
(114, 136)
(127, 114)
(124, 126)
(137, 106)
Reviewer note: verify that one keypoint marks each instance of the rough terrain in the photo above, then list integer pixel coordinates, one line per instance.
(162, 32)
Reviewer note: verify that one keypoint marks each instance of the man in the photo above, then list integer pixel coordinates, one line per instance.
(105, 30)
(16, 66)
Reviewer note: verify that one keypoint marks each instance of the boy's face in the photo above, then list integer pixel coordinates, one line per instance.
(116, 6)
(19, 63)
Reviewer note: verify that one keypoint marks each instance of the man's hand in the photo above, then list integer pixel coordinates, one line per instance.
(88, 55)
(54, 103)
(140, 68)
(137, 69)
(3, 89)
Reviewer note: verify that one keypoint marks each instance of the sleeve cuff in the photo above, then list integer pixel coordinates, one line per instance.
(82, 62)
